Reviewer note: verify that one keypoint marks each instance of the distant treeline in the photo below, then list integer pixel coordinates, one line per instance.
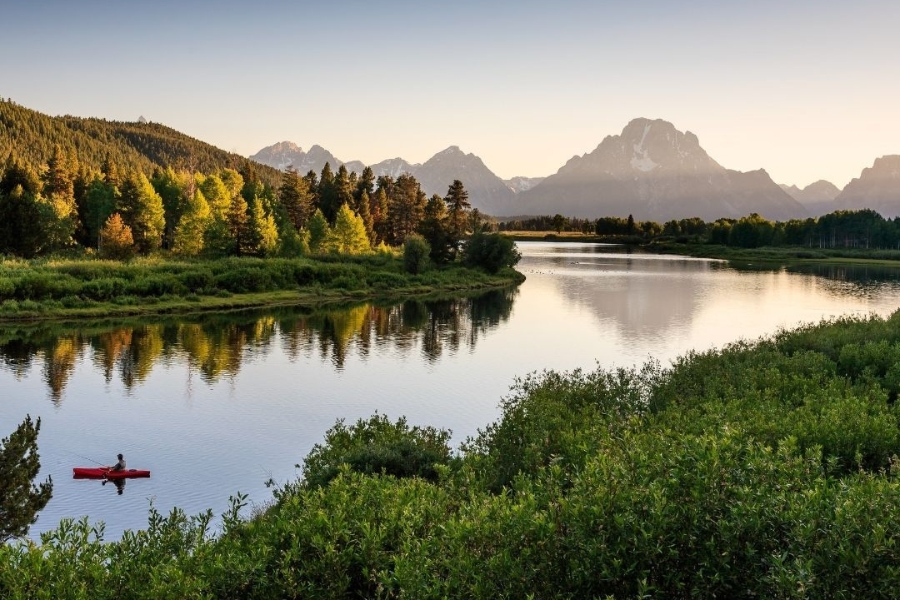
(840, 229)
(118, 211)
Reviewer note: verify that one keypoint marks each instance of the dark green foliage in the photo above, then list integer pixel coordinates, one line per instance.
(377, 446)
(415, 254)
(491, 252)
(20, 500)
(763, 470)
(98, 143)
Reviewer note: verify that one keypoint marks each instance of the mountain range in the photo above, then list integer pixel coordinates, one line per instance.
(651, 170)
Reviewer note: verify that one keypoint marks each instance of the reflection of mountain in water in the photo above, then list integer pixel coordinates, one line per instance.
(641, 295)
(216, 345)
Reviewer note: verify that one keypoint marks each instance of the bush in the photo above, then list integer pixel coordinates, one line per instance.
(415, 254)
(491, 252)
(378, 446)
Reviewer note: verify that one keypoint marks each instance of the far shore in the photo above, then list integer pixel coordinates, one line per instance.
(774, 255)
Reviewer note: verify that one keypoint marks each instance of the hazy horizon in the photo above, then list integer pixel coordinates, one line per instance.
(802, 89)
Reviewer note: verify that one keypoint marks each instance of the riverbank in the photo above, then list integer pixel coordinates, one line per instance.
(773, 255)
(754, 470)
(91, 289)
(778, 255)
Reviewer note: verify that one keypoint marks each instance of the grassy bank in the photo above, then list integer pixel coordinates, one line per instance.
(68, 289)
(764, 470)
(774, 255)
(780, 255)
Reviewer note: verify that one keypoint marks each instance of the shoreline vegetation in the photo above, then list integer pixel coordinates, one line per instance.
(775, 255)
(763, 469)
(64, 289)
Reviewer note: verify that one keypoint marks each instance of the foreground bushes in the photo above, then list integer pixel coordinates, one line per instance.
(764, 470)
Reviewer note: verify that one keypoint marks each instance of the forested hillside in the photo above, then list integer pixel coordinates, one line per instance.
(31, 138)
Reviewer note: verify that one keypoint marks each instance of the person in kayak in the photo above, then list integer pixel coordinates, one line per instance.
(119, 466)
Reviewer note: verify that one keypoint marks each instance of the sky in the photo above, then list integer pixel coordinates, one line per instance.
(807, 90)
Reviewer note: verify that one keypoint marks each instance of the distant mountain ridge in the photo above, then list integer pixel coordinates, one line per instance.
(655, 172)
(877, 187)
(487, 192)
(651, 171)
(818, 197)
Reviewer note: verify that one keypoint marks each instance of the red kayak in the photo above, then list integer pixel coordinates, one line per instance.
(105, 473)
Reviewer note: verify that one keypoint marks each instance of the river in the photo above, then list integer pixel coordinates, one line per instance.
(220, 404)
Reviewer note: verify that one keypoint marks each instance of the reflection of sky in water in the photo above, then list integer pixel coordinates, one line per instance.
(213, 408)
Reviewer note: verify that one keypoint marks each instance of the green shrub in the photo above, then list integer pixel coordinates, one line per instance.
(415, 254)
(376, 446)
(491, 252)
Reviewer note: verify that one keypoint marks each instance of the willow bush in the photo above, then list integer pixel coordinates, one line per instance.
(761, 470)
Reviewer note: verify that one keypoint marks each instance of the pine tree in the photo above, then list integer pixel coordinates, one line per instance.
(20, 499)
(344, 187)
(366, 184)
(237, 224)
(295, 198)
(407, 205)
(328, 194)
(458, 214)
(318, 231)
(366, 215)
(21, 231)
(435, 229)
(379, 210)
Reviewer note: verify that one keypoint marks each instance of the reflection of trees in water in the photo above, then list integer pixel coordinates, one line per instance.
(217, 345)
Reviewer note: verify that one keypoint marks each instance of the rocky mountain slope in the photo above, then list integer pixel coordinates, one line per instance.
(655, 172)
(818, 197)
(878, 188)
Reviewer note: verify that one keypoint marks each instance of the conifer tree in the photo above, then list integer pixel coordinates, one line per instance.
(458, 214)
(366, 215)
(344, 186)
(21, 231)
(365, 184)
(295, 198)
(407, 205)
(318, 231)
(435, 229)
(20, 499)
(379, 210)
(328, 194)
(237, 225)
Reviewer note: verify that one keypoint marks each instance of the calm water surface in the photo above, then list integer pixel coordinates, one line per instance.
(220, 404)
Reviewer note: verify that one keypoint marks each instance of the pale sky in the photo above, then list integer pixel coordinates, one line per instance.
(804, 89)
